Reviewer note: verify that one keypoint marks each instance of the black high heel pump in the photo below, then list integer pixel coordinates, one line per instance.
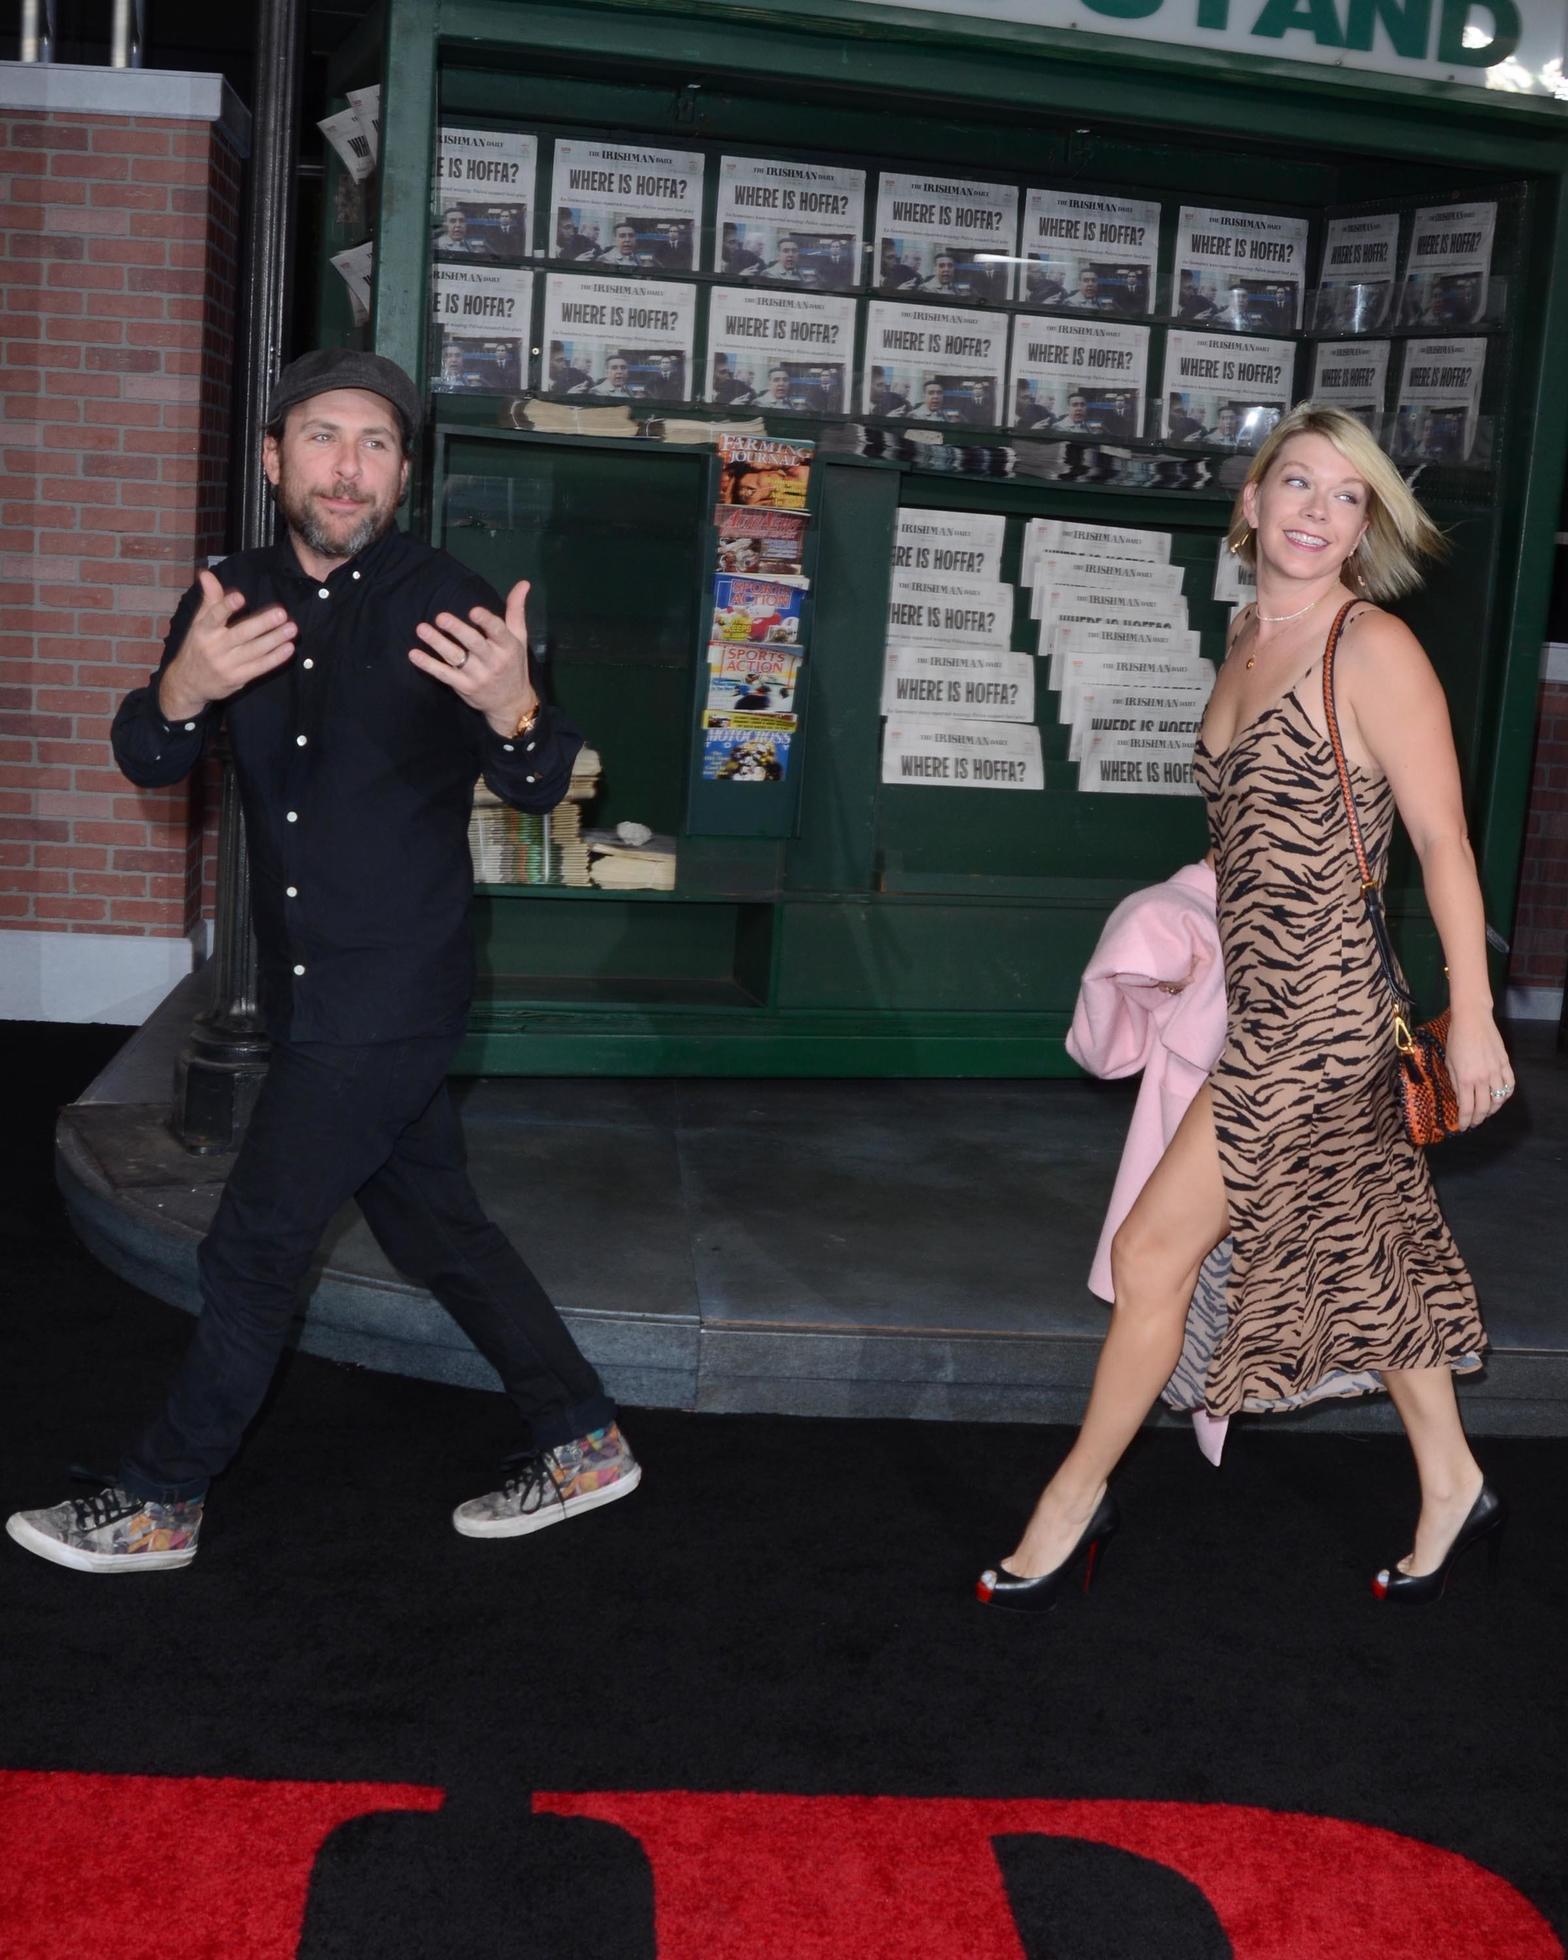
(997, 1587)
(1486, 1518)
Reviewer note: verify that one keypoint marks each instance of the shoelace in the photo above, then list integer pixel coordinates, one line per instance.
(104, 1508)
(530, 1478)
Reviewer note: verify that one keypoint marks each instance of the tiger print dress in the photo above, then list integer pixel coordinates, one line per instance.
(1340, 1264)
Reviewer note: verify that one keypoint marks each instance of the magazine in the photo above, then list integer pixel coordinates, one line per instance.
(983, 683)
(953, 611)
(1078, 378)
(1352, 374)
(778, 353)
(949, 541)
(1227, 393)
(1094, 254)
(618, 338)
(931, 752)
(735, 753)
(764, 472)
(761, 542)
(1447, 266)
(944, 238)
(923, 365)
(484, 314)
(795, 224)
(1240, 269)
(752, 680)
(483, 196)
(1356, 282)
(616, 208)
(758, 610)
(1439, 401)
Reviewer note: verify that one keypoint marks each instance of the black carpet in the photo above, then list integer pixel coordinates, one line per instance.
(785, 1607)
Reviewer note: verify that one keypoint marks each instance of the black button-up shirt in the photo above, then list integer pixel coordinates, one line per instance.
(356, 772)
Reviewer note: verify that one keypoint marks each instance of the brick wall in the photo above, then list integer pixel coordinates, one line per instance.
(118, 265)
(1540, 940)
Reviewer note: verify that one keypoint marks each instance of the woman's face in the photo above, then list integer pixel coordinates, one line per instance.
(1310, 510)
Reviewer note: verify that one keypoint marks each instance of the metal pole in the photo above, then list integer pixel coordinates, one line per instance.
(220, 1072)
(38, 34)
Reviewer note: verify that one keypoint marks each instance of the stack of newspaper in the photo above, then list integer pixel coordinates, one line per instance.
(566, 418)
(509, 847)
(619, 866)
(570, 847)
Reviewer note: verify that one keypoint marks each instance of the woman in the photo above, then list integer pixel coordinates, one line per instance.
(1343, 1276)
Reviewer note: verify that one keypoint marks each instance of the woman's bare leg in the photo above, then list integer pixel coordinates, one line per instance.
(1178, 1219)
(1450, 1476)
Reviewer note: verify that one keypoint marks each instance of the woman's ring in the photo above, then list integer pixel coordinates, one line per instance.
(1502, 1094)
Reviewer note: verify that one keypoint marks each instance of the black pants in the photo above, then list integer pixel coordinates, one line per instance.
(377, 1124)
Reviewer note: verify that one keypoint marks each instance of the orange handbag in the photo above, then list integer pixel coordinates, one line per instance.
(1423, 1087)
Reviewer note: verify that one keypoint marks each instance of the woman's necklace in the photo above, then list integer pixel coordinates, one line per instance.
(1284, 619)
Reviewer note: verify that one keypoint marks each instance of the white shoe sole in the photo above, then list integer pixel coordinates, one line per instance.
(549, 1513)
(31, 1539)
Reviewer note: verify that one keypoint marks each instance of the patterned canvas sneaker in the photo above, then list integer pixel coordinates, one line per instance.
(116, 1531)
(544, 1486)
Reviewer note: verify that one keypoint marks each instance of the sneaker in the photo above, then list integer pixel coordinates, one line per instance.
(544, 1486)
(116, 1531)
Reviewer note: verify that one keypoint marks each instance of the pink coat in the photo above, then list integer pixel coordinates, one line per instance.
(1153, 998)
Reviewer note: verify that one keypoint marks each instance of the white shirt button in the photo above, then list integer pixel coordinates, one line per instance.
(302, 740)
(530, 779)
(323, 593)
(309, 664)
(292, 816)
(532, 746)
(299, 969)
(189, 726)
(356, 575)
(291, 891)
(507, 746)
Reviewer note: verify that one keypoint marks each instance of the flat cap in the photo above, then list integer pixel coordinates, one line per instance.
(345, 367)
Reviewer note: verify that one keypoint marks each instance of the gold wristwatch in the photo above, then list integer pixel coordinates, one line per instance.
(525, 722)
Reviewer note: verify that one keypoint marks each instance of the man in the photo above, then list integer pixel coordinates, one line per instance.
(727, 385)
(885, 398)
(933, 405)
(570, 243)
(893, 274)
(565, 378)
(786, 267)
(1041, 285)
(737, 257)
(623, 252)
(1078, 421)
(836, 267)
(779, 394)
(366, 681)
(453, 241)
(1180, 424)
(672, 248)
(1088, 298)
(616, 383)
(665, 384)
(1224, 433)
(1192, 303)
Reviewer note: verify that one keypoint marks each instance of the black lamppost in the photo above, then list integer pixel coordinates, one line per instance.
(220, 1069)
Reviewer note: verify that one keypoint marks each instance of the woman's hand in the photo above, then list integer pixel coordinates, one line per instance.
(1478, 1067)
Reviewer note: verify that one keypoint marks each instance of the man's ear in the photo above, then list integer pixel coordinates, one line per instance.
(271, 462)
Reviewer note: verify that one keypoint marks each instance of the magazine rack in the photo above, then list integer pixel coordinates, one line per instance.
(848, 927)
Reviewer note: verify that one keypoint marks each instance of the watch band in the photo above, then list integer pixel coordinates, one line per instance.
(526, 722)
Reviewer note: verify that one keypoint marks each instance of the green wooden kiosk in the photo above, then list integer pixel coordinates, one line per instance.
(831, 923)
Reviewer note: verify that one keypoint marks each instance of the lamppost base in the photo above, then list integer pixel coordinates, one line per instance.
(217, 1079)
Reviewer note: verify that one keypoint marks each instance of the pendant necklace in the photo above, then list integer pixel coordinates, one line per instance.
(1284, 619)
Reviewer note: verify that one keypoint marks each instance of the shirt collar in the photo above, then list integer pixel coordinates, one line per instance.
(373, 559)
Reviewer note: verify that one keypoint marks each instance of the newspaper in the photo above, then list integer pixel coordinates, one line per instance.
(780, 353)
(1240, 269)
(1095, 606)
(1174, 649)
(933, 753)
(483, 196)
(734, 751)
(761, 611)
(1146, 765)
(1439, 401)
(353, 143)
(1095, 254)
(1044, 536)
(366, 104)
(619, 338)
(1356, 281)
(1100, 666)
(796, 224)
(982, 683)
(1117, 709)
(1352, 374)
(1078, 378)
(1225, 392)
(484, 316)
(762, 543)
(1138, 574)
(765, 472)
(968, 612)
(625, 209)
(944, 542)
(925, 365)
(1447, 266)
(944, 238)
(1234, 583)
(752, 681)
(356, 268)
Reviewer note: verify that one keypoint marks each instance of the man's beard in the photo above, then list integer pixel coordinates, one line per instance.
(311, 526)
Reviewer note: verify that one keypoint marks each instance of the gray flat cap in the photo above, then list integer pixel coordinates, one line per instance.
(343, 367)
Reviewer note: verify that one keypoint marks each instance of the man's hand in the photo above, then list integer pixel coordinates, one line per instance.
(218, 656)
(483, 659)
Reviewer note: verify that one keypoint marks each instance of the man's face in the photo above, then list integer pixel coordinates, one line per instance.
(1227, 421)
(944, 271)
(339, 470)
(557, 360)
(625, 241)
(1089, 285)
(933, 398)
(789, 254)
(1077, 408)
(616, 372)
(568, 230)
(667, 367)
(778, 384)
(456, 227)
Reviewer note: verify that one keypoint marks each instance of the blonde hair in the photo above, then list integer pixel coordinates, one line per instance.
(1399, 534)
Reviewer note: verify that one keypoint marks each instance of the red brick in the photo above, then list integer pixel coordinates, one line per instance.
(96, 831)
(161, 279)
(112, 139)
(51, 133)
(106, 170)
(75, 490)
(130, 306)
(89, 278)
(125, 360)
(91, 221)
(83, 909)
(15, 905)
(46, 245)
(74, 857)
(23, 163)
(110, 884)
(51, 192)
(130, 197)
